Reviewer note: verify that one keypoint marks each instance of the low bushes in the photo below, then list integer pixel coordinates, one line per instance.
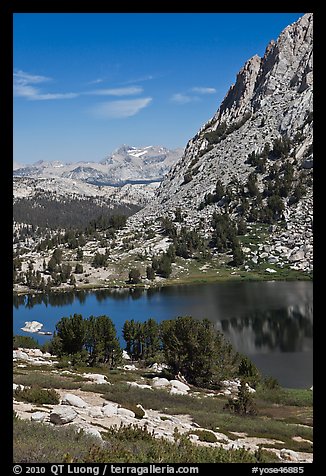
(37, 395)
(39, 443)
(205, 435)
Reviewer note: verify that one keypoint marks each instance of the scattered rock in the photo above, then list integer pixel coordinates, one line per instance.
(74, 401)
(92, 432)
(20, 355)
(177, 391)
(129, 367)
(95, 412)
(139, 385)
(193, 438)
(289, 455)
(180, 385)
(160, 382)
(61, 415)
(125, 355)
(39, 416)
(125, 412)
(158, 367)
(109, 410)
(250, 389)
(35, 353)
(96, 378)
(296, 256)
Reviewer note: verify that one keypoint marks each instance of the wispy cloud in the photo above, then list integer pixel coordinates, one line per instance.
(180, 98)
(96, 81)
(139, 79)
(185, 98)
(24, 87)
(128, 91)
(21, 77)
(49, 96)
(201, 90)
(120, 109)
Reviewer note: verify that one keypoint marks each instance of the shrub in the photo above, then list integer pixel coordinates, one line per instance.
(37, 395)
(205, 435)
(271, 383)
(150, 273)
(138, 445)
(164, 268)
(281, 148)
(99, 260)
(26, 342)
(244, 404)
(248, 371)
(238, 255)
(134, 276)
(128, 433)
(79, 268)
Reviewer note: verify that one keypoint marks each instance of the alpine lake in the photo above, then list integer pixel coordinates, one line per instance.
(269, 321)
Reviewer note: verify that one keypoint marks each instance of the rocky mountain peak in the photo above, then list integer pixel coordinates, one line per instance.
(238, 99)
(285, 67)
(267, 114)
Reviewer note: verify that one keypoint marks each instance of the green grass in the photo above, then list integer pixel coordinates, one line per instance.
(286, 396)
(46, 380)
(264, 427)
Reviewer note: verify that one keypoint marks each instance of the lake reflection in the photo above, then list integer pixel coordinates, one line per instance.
(272, 322)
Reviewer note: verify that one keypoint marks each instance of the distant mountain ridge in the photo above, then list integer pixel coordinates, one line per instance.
(125, 165)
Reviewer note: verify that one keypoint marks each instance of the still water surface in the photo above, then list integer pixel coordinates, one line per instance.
(271, 322)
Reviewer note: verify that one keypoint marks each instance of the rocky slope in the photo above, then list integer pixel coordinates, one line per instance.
(269, 106)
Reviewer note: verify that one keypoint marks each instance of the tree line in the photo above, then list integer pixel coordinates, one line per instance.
(188, 346)
(50, 211)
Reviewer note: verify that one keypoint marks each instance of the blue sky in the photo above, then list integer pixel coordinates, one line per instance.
(86, 83)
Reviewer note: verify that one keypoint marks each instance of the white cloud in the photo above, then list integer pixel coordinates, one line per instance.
(201, 90)
(140, 79)
(47, 96)
(23, 88)
(120, 109)
(183, 98)
(117, 91)
(22, 78)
